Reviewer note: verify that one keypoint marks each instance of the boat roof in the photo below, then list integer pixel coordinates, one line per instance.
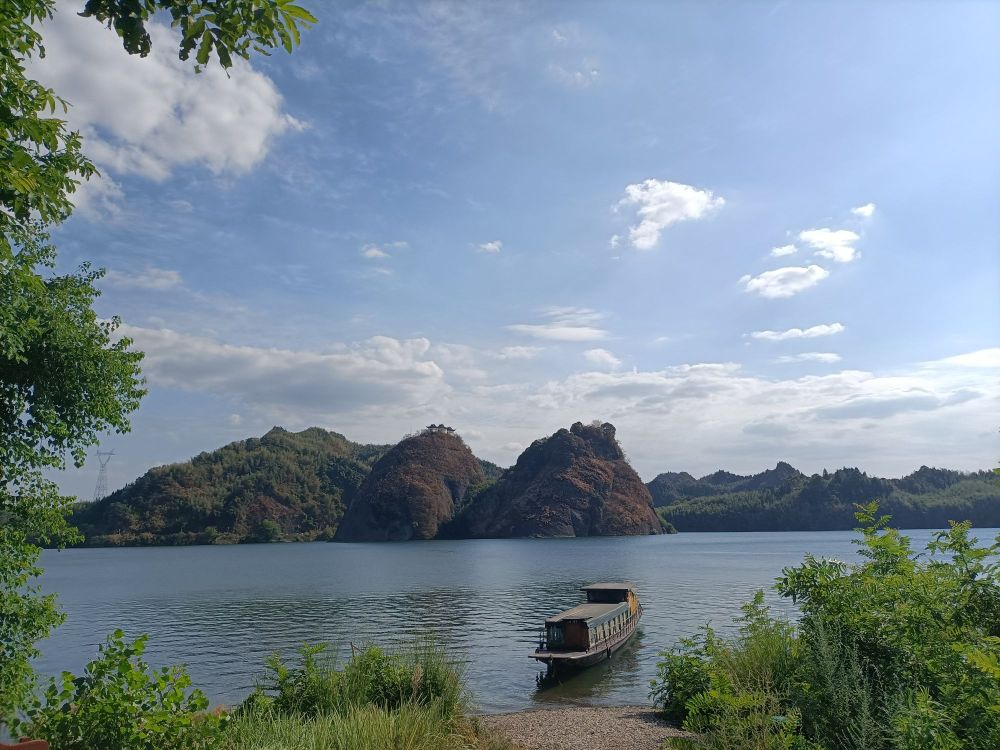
(610, 586)
(590, 612)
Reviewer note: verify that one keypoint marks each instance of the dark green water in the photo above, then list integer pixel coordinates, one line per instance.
(222, 610)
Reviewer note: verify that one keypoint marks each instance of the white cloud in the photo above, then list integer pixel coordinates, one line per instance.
(519, 352)
(825, 329)
(98, 199)
(660, 203)
(374, 252)
(235, 420)
(493, 246)
(378, 372)
(603, 358)
(983, 359)
(150, 115)
(864, 211)
(778, 252)
(149, 278)
(833, 244)
(614, 241)
(938, 413)
(827, 357)
(784, 282)
(565, 324)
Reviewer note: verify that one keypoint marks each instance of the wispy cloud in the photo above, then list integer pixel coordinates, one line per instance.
(374, 252)
(519, 352)
(603, 358)
(784, 282)
(825, 357)
(150, 278)
(832, 244)
(778, 252)
(565, 324)
(493, 246)
(824, 329)
(660, 203)
(864, 211)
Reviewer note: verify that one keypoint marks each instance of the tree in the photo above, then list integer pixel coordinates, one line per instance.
(66, 377)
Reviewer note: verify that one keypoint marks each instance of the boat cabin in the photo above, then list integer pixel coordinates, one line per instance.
(607, 614)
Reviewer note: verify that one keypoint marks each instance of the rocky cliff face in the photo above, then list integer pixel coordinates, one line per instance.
(574, 483)
(412, 490)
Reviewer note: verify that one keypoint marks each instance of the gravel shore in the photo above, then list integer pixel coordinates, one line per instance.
(584, 728)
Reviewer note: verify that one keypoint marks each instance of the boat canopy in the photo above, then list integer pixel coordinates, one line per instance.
(592, 614)
(613, 586)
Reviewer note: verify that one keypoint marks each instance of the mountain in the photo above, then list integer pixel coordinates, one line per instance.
(784, 499)
(283, 485)
(574, 483)
(413, 489)
(673, 486)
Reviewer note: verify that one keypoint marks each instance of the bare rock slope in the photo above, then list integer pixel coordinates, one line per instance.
(412, 490)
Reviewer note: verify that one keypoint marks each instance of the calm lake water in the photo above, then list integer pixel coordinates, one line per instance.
(222, 610)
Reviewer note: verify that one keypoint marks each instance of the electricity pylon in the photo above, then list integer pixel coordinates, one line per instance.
(102, 478)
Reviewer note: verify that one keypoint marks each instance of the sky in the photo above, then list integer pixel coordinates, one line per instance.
(740, 232)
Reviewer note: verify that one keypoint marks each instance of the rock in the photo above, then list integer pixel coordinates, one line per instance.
(575, 483)
(412, 490)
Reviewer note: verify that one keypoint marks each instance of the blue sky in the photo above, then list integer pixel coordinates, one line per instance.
(743, 233)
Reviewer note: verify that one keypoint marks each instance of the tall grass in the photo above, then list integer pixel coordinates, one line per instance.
(408, 727)
(316, 683)
(409, 698)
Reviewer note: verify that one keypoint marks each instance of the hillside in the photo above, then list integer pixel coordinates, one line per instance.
(412, 490)
(574, 483)
(784, 499)
(283, 485)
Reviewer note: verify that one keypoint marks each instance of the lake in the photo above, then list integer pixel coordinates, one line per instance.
(223, 609)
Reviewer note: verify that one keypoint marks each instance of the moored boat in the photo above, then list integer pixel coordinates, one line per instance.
(592, 631)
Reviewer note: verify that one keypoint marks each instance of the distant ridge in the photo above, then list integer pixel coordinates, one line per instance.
(785, 499)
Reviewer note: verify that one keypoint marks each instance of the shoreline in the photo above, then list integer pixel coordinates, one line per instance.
(576, 727)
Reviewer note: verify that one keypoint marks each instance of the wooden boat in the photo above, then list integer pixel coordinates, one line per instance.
(592, 631)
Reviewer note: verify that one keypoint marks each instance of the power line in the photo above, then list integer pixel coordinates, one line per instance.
(101, 489)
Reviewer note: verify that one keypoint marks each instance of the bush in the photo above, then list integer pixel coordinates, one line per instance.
(120, 704)
(373, 676)
(899, 652)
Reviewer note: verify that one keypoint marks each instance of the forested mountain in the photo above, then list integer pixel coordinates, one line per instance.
(298, 486)
(784, 499)
(284, 485)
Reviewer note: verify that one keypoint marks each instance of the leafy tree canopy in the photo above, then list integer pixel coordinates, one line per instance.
(65, 377)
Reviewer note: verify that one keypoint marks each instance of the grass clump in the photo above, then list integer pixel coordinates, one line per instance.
(316, 684)
(899, 652)
(380, 699)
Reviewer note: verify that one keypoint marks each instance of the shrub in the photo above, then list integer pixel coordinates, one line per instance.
(899, 652)
(120, 704)
(420, 674)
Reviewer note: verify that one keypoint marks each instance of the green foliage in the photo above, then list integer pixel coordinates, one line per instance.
(65, 375)
(899, 651)
(120, 704)
(782, 499)
(298, 482)
(64, 380)
(226, 27)
(420, 674)
(379, 699)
